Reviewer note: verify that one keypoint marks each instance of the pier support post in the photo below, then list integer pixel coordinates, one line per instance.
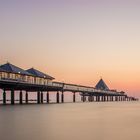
(20, 97)
(38, 97)
(62, 97)
(4, 97)
(102, 98)
(124, 98)
(42, 97)
(97, 98)
(12, 97)
(119, 98)
(93, 98)
(89, 98)
(111, 98)
(74, 99)
(83, 98)
(57, 97)
(26, 97)
(47, 97)
(107, 98)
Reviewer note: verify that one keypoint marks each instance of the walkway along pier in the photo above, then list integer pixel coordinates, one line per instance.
(13, 78)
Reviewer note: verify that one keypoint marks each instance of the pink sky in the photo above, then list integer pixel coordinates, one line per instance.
(74, 41)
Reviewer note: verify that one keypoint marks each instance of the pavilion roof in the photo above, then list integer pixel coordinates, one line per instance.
(102, 85)
(40, 74)
(14, 69)
(2, 70)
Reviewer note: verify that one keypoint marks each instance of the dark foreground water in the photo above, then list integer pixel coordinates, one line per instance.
(79, 121)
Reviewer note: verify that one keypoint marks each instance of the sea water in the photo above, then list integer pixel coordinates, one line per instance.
(71, 121)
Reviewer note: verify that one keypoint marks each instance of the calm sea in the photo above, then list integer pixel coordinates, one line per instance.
(71, 121)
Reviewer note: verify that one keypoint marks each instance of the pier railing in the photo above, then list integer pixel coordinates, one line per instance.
(65, 86)
(80, 88)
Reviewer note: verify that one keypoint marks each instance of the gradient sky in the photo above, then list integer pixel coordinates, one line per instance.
(76, 41)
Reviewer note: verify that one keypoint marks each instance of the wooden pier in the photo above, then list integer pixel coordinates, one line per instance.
(15, 79)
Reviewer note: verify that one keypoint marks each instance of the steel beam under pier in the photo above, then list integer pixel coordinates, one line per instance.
(4, 97)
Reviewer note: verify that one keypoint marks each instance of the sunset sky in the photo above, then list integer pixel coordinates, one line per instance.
(76, 41)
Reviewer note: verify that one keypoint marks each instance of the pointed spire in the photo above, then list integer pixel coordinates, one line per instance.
(102, 85)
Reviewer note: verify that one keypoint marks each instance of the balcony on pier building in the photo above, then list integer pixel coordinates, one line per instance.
(14, 73)
(3, 73)
(40, 77)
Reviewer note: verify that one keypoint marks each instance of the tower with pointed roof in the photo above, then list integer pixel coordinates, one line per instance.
(102, 85)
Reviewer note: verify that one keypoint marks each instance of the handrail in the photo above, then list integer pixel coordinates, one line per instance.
(66, 87)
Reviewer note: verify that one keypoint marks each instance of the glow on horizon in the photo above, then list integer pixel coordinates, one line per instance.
(74, 41)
